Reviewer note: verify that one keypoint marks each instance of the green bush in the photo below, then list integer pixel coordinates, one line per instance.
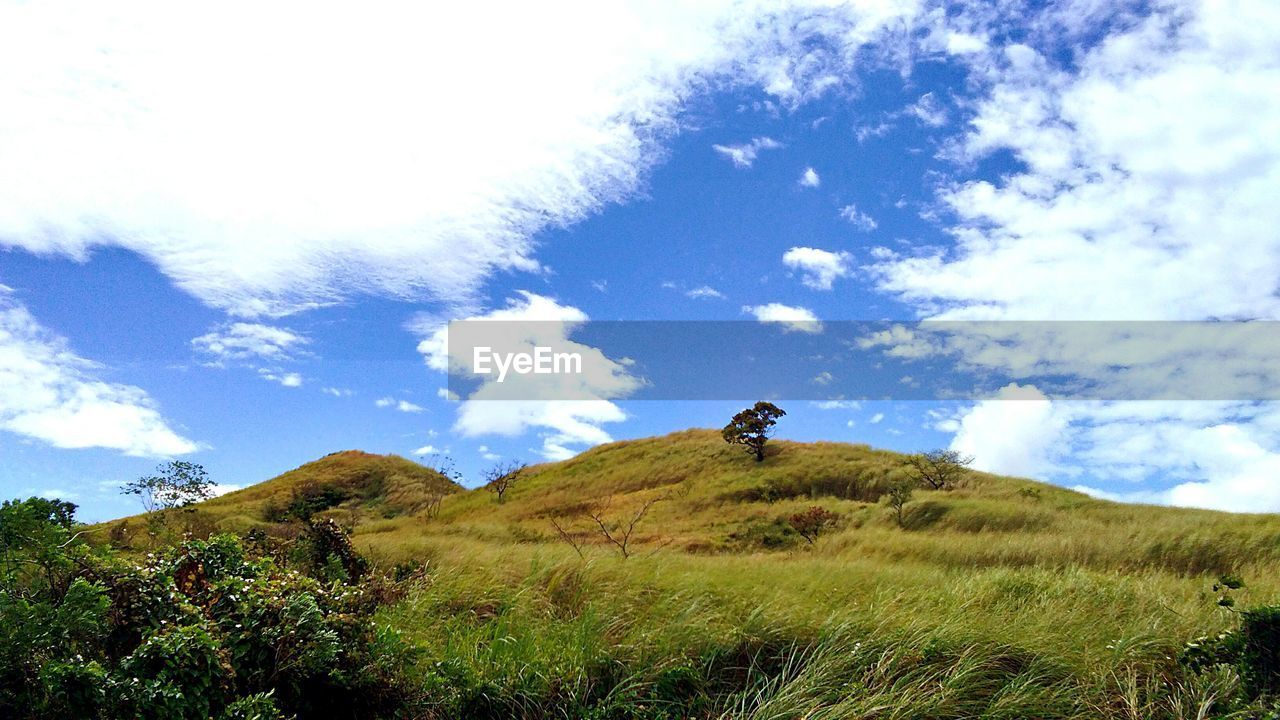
(202, 630)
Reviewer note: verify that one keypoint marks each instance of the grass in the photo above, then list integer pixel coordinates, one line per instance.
(1002, 598)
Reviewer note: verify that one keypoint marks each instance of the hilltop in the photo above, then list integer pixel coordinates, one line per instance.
(348, 485)
(710, 497)
(1001, 597)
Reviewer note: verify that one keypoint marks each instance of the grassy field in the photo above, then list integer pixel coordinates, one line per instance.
(1001, 598)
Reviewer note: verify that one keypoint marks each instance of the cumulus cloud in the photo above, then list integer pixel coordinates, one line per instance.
(571, 407)
(744, 156)
(819, 268)
(809, 178)
(49, 393)
(362, 156)
(790, 317)
(1222, 456)
(1149, 183)
(1017, 433)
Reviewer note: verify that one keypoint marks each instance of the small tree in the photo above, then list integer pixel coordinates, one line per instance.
(812, 522)
(939, 469)
(176, 484)
(618, 533)
(752, 427)
(502, 477)
(899, 495)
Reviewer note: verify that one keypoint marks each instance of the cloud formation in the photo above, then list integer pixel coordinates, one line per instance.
(50, 394)
(576, 405)
(368, 158)
(818, 268)
(744, 156)
(790, 317)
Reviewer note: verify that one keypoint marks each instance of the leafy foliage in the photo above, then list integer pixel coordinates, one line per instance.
(176, 484)
(752, 427)
(899, 495)
(939, 469)
(202, 630)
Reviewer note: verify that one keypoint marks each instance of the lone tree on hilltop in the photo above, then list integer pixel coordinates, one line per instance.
(176, 484)
(939, 469)
(812, 522)
(502, 477)
(752, 427)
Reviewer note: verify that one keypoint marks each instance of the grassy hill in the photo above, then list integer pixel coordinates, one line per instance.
(348, 485)
(1002, 597)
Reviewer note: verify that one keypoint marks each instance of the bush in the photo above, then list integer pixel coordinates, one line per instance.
(202, 630)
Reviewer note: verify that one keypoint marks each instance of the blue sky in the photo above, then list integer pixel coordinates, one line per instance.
(225, 239)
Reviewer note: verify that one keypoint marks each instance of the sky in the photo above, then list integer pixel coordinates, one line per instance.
(232, 234)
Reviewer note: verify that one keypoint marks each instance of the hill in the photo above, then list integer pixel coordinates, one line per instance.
(1002, 597)
(348, 485)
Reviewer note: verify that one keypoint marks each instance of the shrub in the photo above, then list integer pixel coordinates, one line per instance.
(811, 523)
(202, 630)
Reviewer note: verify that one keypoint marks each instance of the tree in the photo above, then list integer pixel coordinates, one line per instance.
(899, 495)
(752, 427)
(618, 533)
(812, 522)
(176, 484)
(502, 477)
(939, 469)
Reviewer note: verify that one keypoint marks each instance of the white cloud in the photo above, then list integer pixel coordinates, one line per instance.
(820, 268)
(790, 317)
(705, 291)
(743, 156)
(837, 404)
(337, 392)
(573, 406)
(49, 393)
(858, 219)
(875, 419)
(403, 406)
(1018, 433)
(809, 178)
(1146, 190)
(1149, 183)
(273, 166)
(286, 379)
(244, 341)
(427, 450)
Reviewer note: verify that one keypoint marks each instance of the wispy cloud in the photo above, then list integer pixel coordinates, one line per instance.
(744, 155)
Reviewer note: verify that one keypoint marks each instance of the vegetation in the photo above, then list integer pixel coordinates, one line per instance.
(940, 469)
(502, 477)
(176, 484)
(996, 598)
(811, 523)
(752, 427)
(205, 629)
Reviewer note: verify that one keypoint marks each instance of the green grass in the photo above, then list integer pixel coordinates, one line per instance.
(1002, 598)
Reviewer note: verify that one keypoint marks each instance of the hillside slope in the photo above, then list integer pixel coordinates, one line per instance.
(349, 485)
(712, 497)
